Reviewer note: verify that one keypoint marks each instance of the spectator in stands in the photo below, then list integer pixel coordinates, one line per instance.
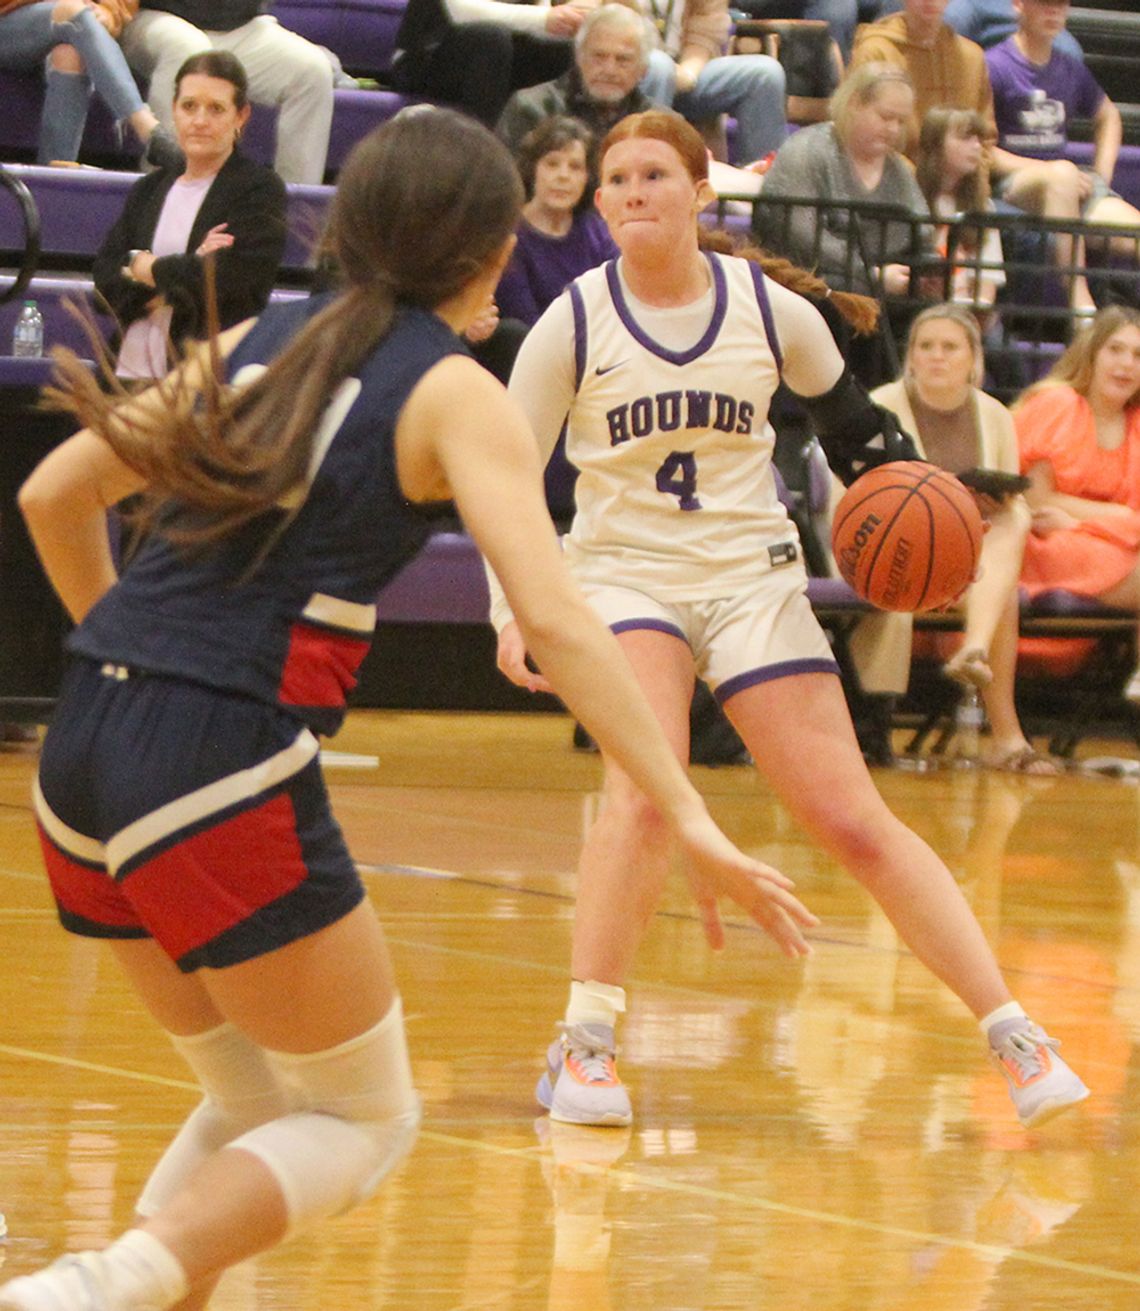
(853, 158)
(986, 22)
(560, 234)
(151, 267)
(1079, 434)
(474, 53)
(693, 75)
(611, 54)
(944, 68)
(841, 16)
(75, 43)
(958, 427)
(952, 175)
(284, 70)
(1038, 91)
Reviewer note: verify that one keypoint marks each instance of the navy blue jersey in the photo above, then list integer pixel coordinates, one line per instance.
(293, 632)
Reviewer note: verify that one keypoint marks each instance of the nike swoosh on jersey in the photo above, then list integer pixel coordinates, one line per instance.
(608, 368)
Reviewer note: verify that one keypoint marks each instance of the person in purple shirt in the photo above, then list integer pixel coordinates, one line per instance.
(560, 235)
(1038, 90)
(989, 21)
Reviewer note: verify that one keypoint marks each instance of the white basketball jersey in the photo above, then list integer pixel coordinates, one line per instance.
(673, 448)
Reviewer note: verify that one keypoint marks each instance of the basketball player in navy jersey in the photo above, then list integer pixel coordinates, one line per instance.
(662, 365)
(181, 807)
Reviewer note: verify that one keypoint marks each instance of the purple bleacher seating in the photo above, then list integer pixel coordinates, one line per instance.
(78, 206)
(355, 114)
(361, 33)
(444, 584)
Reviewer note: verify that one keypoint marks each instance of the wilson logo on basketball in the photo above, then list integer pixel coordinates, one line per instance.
(907, 536)
(849, 556)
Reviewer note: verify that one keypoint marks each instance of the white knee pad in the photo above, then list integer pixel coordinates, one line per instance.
(356, 1118)
(241, 1090)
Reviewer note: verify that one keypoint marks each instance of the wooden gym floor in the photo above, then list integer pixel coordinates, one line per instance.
(821, 1135)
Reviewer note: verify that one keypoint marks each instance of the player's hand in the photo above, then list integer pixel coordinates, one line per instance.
(715, 868)
(511, 660)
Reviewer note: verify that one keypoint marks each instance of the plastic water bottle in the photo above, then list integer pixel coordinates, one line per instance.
(969, 717)
(28, 336)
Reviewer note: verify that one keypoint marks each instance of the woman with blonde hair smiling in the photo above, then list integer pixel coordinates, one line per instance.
(960, 428)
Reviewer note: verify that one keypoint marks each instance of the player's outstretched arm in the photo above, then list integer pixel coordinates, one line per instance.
(488, 461)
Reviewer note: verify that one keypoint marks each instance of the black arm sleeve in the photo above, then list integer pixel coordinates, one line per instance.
(855, 433)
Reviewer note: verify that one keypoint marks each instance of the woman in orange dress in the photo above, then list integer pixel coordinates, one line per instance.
(1078, 431)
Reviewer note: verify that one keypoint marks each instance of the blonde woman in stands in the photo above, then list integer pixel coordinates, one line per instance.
(1079, 434)
(300, 460)
(952, 175)
(958, 427)
(856, 157)
(75, 43)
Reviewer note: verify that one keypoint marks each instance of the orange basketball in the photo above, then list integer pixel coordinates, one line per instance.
(907, 535)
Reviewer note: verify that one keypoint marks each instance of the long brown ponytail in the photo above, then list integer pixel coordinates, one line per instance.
(861, 313)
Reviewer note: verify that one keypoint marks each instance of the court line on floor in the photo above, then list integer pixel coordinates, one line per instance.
(664, 1185)
(740, 1199)
(687, 917)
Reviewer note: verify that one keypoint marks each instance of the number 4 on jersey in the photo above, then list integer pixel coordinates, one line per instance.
(678, 477)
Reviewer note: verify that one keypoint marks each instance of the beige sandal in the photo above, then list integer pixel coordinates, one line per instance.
(969, 668)
(1025, 760)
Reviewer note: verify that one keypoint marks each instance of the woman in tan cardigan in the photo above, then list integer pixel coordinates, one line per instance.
(960, 427)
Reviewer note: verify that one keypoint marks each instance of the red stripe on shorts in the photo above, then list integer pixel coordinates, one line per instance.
(320, 669)
(90, 894)
(207, 883)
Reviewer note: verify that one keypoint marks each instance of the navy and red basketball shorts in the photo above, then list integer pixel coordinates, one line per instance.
(198, 818)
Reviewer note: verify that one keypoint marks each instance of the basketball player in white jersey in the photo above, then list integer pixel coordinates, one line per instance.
(662, 364)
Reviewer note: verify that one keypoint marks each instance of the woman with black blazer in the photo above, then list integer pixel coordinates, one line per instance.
(150, 269)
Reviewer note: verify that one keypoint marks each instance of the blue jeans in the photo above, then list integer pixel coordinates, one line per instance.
(27, 38)
(749, 87)
(841, 16)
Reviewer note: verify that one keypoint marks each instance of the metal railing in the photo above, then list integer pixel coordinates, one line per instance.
(1027, 319)
(29, 257)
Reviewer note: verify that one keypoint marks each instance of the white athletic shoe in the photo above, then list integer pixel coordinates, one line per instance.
(73, 1283)
(1040, 1082)
(581, 1083)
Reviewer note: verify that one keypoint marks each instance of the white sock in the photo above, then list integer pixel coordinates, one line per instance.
(1010, 1010)
(592, 1002)
(142, 1272)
